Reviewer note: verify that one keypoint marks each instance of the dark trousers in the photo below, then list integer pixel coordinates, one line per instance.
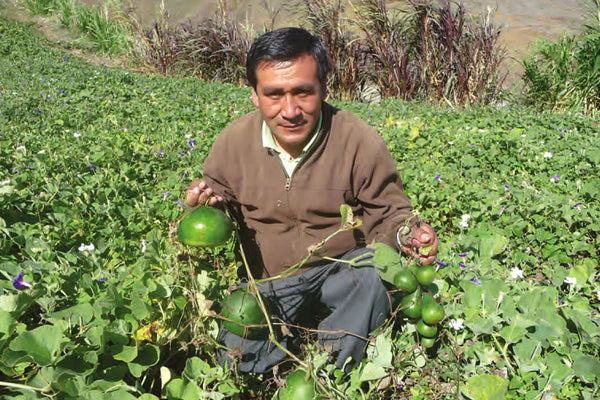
(357, 301)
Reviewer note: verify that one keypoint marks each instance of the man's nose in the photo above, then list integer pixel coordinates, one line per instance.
(289, 108)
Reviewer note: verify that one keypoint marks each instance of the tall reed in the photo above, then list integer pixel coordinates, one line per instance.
(565, 74)
(327, 19)
(424, 51)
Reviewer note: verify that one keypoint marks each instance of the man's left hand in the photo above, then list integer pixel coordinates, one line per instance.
(424, 244)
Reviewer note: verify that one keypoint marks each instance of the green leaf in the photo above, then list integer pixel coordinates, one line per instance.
(527, 354)
(381, 352)
(6, 189)
(486, 353)
(139, 307)
(372, 372)
(473, 294)
(148, 396)
(41, 343)
(583, 270)
(148, 355)
(491, 246)
(483, 325)
(557, 371)
(485, 387)
(78, 314)
(7, 324)
(124, 353)
(387, 261)
(513, 333)
(196, 368)
(175, 388)
(586, 367)
(348, 221)
(537, 300)
(16, 304)
(585, 326)
(192, 392)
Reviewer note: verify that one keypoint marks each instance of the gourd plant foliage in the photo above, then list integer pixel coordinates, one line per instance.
(99, 299)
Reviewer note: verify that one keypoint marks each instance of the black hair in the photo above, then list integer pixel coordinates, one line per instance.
(286, 44)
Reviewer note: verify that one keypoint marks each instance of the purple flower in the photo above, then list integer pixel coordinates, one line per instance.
(192, 144)
(161, 152)
(185, 175)
(438, 178)
(506, 187)
(92, 167)
(463, 265)
(577, 206)
(180, 154)
(28, 167)
(19, 283)
(440, 264)
(165, 195)
(463, 255)
(475, 280)
(501, 210)
(555, 178)
(103, 279)
(178, 203)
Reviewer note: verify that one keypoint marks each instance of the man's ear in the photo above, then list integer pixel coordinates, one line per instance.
(323, 91)
(255, 98)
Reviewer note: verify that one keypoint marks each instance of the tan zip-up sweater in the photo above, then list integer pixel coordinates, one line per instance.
(281, 217)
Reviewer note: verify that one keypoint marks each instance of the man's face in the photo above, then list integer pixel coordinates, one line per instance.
(289, 96)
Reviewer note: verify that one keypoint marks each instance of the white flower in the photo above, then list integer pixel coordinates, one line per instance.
(464, 220)
(450, 143)
(598, 295)
(570, 280)
(76, 134)
(86, 247)
(6, 182)
(457, 324)
(143, 245)
(516, 273)
(547, 154)
(189, 135)
(21, 148)
(41, 151)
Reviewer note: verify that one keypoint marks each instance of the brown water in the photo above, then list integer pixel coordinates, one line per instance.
(522, 21)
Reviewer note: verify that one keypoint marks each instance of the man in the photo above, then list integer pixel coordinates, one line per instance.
(283, 171)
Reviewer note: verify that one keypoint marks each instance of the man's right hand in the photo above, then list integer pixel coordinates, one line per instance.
(198, 193)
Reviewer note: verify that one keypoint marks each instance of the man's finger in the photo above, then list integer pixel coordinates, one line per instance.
(191, 196)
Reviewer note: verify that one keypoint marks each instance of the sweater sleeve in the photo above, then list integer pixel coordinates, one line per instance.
(380, 191)
(213, 172)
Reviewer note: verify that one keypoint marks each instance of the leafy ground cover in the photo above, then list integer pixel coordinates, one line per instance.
(99, 300)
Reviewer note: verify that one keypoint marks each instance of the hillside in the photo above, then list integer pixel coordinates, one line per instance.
(98, 299)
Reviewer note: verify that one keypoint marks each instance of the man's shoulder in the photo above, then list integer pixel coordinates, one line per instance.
(347, 126)
(241, 126)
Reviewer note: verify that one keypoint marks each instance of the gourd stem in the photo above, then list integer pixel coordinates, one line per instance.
(264, 311)
(19, 386)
